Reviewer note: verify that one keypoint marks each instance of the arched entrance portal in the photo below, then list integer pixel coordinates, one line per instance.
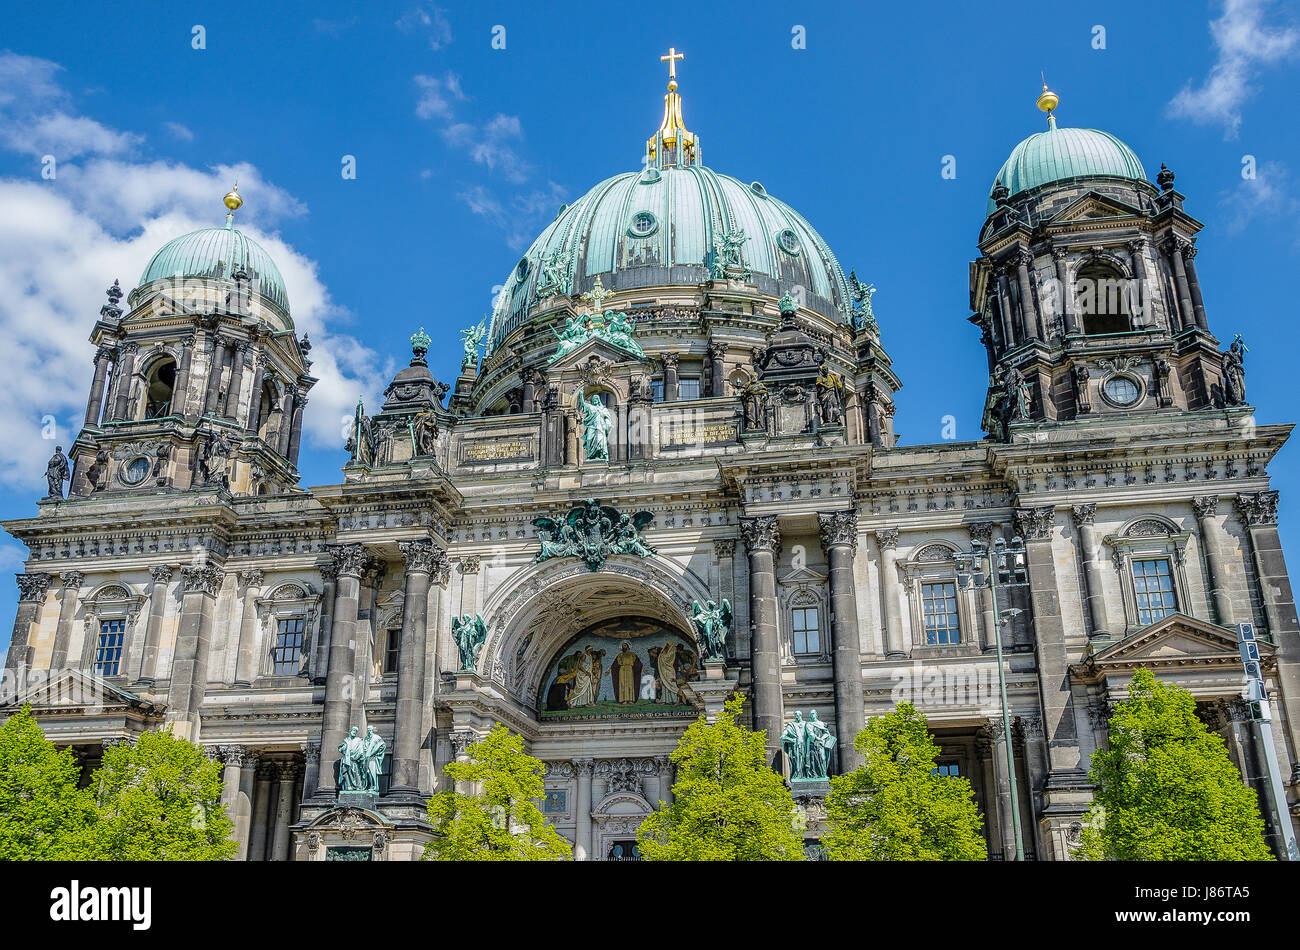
(600, 667)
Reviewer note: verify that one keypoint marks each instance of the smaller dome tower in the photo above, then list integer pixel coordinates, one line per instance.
(1085, 290)
(202, 382)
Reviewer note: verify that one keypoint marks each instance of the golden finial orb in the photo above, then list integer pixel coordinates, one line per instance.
(1047, 100)
(232, 200)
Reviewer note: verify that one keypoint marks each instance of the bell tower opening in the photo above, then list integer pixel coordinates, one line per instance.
(1102, 296)
(159, 391)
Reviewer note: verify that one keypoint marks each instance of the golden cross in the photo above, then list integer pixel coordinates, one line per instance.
(596, 296)
(671, 60)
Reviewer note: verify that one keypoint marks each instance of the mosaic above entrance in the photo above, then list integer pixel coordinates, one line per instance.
(628, 666)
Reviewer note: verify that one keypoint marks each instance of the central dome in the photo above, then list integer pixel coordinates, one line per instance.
(1059, 154)
(659, 227)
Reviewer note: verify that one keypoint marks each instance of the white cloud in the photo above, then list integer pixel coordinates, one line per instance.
(522, 216)
(102, 218)
(487, 145)
(437, 96)
(429, 19)
(179, 131)
(1243, 43)
(1266, 196)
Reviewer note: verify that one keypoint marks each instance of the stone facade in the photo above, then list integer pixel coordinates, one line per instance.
(264, 620)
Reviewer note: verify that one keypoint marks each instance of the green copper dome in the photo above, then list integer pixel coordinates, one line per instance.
(661, 227)
(215, 254)
(1059, 154)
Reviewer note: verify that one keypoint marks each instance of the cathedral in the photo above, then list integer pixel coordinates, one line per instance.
(667, 472)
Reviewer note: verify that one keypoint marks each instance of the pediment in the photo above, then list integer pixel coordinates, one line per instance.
(1094, 205)
(802, 575)
(73, 690)
(1175, 641)
(596, 346)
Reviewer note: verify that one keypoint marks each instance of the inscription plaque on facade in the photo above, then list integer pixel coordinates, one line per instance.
(488, 451)
(705, 433)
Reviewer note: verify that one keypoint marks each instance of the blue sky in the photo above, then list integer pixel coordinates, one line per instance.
(463, 152)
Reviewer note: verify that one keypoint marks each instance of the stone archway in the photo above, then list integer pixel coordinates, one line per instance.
(616, 819)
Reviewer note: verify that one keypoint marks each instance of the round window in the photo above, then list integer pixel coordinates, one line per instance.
(757, 188)
(643, 224)
(521, 270)
(136, 470)
(789, 241)
(651, 176)
(1122, 390)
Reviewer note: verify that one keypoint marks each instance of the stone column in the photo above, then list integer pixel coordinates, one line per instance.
(232, 757)
(895, 644)
(93, 404)
(285, 433)
(670, 376)
(422, 558)
(216, 364)
(1060, 255)
(1031, 736)
(31, 599)
(1027, 307)
(181, 389)
(1258, 513)
(261, 811)
(295, 428)
(1194, 285)
(311, 766)
(1143, 300)
(246, 665)
(582, 847)
(664, 768)
(255, 394)
(839, 537)
(189, 678)
(350, 561)
(982, 532)
(1207, 509)
(162, 575)
(125, 371)
(997, 739)
(288, 774)
(1084, 521)
(762, 537)
(237, 353)
(985, 749)
(530, 390)
(1005, 305)
(72, 581)
(329, 574)
(1176, 246)
(243, 812)
(718, 368)
(1059, 720)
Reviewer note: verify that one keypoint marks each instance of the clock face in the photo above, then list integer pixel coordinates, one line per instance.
(1122, 390)
(136, 471)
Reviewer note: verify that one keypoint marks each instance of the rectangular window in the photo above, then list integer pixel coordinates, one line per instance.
(288, 647)
(108, 654)
(657, 390)
(1154, 587)
(939, 604)
(807, 634)
(688, 387)
(392, 647)
(947, 769)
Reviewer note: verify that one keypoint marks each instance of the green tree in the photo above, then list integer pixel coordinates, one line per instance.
(501, 820)
(728, 804)
(160, 800)
(43, 815)
(1166, 789)
(895, 807)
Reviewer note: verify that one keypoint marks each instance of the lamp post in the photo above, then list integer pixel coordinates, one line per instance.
(1002, 566)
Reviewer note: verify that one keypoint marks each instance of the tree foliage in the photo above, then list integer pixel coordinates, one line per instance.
(160, 800)
(728, 804)
(156, 800)
(43, 815)
(1166, 789)
(894, 807)
(500, 820)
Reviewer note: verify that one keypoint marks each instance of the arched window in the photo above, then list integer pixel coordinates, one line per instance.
(158, 392)
(1103, 298)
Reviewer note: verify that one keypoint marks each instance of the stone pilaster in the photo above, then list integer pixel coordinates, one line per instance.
(1207, 510)
(329, 575)
(72, 581)
(762, 537)
(1085, 517)
(162, 576)
(32, 589)
(887, 541)
(189, 679)
(582, 847)
(246, 665)
(839, 538)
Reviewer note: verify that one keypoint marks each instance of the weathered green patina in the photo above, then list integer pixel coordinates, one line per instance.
(592, 531)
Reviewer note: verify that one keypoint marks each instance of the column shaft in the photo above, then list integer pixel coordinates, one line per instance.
(31, 600)
(261, 813)
(420, 560)
(288, 773)
(839, 538)
(72, 581)
(153, 625)
(93, 404)
(895, 644)
(337, 712)
(1032, 326)
(1180, 278)
(582, 847)
(242, 815)
(763, 540)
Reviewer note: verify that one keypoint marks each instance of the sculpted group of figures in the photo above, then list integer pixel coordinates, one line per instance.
(360, 760)
(808, 746)
(592, 532)
(580, 675)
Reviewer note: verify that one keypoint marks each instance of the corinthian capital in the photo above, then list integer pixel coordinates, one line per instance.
(420, 555)
(1084, 514)
(1258, 508)
(1206, 505)
(205, 580)
(350, 559)
(32, 587)
(887, 538)
(761, 534)
(1035, 524)
(838, 528)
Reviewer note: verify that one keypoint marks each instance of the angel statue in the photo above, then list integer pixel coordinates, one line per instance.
(863, 315)
(469, 632)
(712, 623)
(597, 420)
(627, 534)
(471, 338)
